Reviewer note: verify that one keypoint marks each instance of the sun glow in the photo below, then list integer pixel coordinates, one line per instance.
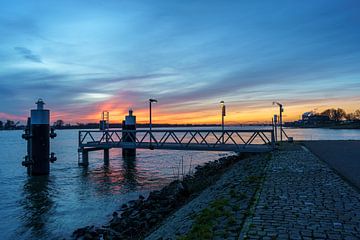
(202, 114)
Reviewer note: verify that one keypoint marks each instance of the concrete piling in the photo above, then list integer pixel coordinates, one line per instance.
(128, 136)
(106, 155)
(38, 134)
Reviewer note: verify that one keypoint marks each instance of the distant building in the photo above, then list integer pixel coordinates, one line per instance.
(311, 118)
(307, 115)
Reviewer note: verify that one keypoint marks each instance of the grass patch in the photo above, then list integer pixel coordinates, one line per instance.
(238, 196)
(231, 221)
(235, 208)
(254, 179)
(219, 203)
(204, 221)
(241, 196)
(232, 193)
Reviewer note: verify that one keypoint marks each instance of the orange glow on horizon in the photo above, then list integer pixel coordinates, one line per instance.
(235, 114)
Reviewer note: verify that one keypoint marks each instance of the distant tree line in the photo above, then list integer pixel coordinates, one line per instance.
(339, 114)
(9, 125)
(330, 118)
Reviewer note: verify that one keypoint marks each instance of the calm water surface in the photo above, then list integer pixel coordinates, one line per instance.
(71, 196)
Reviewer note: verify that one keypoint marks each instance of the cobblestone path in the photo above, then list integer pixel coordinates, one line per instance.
(289, 194)
(302, 198)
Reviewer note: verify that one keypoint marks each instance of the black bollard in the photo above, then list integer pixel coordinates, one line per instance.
(129, 136)
(38, 135)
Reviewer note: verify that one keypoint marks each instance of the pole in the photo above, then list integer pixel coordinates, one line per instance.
(150, 125)
(222, 127)
(272, 133)
(222, 120)
(275, 127)
(281, 130)
(280, 120)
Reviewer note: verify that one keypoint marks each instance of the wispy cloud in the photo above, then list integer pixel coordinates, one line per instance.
(28, 54)
(247, 53)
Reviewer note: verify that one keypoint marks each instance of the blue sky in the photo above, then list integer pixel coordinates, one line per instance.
(83, 57)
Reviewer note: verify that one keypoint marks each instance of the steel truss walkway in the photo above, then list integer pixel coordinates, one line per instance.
(203, 140)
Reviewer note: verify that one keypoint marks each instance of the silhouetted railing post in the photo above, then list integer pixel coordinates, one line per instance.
(275, 127)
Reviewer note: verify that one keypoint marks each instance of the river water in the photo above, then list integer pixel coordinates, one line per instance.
(71, 196)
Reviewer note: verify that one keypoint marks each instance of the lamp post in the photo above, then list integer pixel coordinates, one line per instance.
(281, 109)
(223, 114)
(150, 125)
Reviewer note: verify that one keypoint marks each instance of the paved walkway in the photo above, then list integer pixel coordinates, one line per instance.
(290, 195)
(344, 156)
(302, 198)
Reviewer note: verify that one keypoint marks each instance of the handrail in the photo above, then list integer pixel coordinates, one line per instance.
(211, 138)
(181, 130)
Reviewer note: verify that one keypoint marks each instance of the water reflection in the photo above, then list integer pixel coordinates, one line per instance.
(37, 204)
(117, 176)
(130, 172)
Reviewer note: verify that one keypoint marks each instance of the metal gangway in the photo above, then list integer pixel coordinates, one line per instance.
(246, 141)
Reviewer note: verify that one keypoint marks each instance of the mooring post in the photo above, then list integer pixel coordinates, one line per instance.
(129, 135)
(38, 134)
(106, 155)
(85, 157)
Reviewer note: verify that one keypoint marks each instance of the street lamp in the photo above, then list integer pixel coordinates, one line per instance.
(223, 114)
(150, 125)
(281, 109)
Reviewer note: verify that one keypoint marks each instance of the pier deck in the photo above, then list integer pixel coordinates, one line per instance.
(249, 141)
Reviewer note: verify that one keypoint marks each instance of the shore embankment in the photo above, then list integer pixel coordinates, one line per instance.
(287, 194)
(221, 210)
(138, 218)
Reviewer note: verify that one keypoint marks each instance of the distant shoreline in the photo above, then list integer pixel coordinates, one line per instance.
(119, 126)
(328, 126)
(116, 125)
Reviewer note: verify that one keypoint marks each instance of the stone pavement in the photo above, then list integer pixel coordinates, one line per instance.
(289, 194)
(302, 198)
(344, 156)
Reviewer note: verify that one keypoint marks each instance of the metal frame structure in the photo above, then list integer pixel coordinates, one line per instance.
(206, 140)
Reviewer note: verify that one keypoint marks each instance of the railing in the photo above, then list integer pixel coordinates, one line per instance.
(182, 139)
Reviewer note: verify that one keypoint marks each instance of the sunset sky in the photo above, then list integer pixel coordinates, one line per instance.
(83, 57)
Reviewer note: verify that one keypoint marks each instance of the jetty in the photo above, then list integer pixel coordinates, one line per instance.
(241, 141)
